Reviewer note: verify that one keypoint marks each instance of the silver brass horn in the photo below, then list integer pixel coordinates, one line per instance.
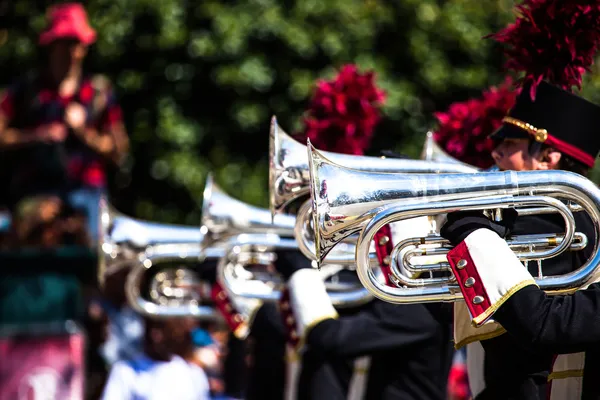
(433, 152)
(191, 299)
(251, 239)
(224, 216)
(124, 239)
(289, 176)
(261, 283)
(344, 251)
(347, 201)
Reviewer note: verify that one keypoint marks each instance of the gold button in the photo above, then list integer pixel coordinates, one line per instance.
(383, 240)
(227, 308)
(222, 295)
(285, 305)
(290, 320)
(238, 318)
(477, 300)
(541, 135)
(293, 335)
(387, 260)
(461, 264)
(469, 282)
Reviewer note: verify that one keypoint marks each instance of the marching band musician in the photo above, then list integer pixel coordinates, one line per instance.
(304, 347)
(547, 128)
(377, 350)
(541, 326)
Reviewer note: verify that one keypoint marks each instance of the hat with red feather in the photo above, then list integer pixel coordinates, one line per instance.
(343, 112)
(464, 129)
(553, 43)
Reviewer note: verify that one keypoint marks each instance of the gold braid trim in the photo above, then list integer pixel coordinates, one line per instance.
(540, 135)
(575, 373)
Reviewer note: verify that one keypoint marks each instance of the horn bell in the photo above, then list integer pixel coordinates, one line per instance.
(123, 238)
(224, 216)
(289, 175)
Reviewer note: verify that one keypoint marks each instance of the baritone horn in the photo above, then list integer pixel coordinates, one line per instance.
(174, 292)
(125, 240)
(249, 238)
(224, 217)
(289, 175)
(262, 283)
(374, 199)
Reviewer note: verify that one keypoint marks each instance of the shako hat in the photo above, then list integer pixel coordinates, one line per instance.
(553, 43)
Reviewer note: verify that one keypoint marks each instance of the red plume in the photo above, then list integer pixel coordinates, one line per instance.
(464, 129)
(552, 40)
(343, 112)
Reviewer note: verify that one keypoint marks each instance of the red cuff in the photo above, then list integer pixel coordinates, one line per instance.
(289, 321)
(383, 248)
(222, 302)
(468, 279)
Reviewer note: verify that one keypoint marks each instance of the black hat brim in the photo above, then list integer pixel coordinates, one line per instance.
(509, 132)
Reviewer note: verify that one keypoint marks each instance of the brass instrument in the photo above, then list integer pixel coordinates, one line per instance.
(289, 176)
(224, 217)
(249, 238)
(263, 283)
(433, 152)
(125, 240)
(375, 199)
(189, 298)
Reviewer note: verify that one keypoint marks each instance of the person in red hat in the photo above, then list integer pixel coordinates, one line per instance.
(60, 127)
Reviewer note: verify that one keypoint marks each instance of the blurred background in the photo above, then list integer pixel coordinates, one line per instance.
(199, 81)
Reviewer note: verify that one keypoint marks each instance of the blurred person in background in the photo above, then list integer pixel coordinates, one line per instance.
(60, 127)
(166, 370)
(126, 328)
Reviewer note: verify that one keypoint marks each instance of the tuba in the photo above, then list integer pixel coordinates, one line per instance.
(125, 240)
(375, 199)
(289, 181)
(249, 238)
(181, 295)
(289, 175)
(224, 217)
(264, 285)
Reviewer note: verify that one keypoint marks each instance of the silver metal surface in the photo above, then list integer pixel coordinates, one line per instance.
(124, 238)
(349, 201)
(224, 216)
(343, 253)
(160, 254)
(289, 176)
(258, 250)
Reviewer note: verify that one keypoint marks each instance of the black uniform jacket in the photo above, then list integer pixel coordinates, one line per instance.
(512, 368)
(409, 345)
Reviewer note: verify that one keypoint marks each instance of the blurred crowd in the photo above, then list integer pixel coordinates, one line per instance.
(61, 134)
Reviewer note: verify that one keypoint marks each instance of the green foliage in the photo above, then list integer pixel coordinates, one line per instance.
(199, 81)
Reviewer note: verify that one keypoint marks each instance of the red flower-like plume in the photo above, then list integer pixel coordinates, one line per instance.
(552, 40)
(464, 129)
(343, 112)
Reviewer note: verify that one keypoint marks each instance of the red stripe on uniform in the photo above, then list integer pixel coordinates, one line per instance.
(461, 252)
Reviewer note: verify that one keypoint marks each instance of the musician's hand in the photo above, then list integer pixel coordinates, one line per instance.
(290, 261)
(462, 223)
(75, 116)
